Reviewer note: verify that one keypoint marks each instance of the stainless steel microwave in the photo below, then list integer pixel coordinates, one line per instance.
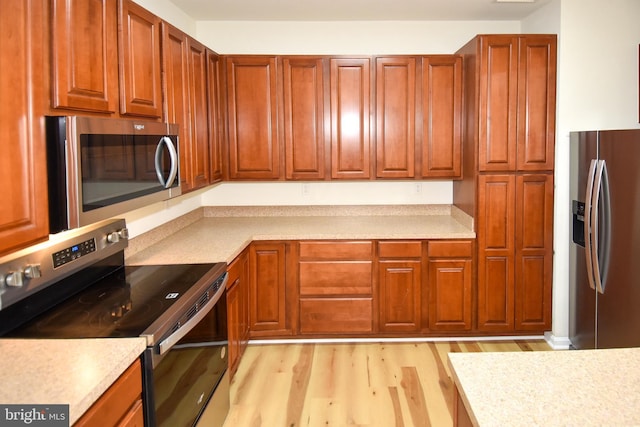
(99, 168)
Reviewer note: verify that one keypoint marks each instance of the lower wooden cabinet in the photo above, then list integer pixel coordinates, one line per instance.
(450, 285)
(238, 309)
(400, 285)
(515, 252)
(335, 283)
(267, 294)
(120, 405)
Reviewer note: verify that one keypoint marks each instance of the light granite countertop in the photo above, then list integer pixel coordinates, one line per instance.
(74, 371)
(220, 237)
(550, 388)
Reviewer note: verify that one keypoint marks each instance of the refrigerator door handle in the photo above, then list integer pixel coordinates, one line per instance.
(588, 216)
(603, 236)
(600, 248)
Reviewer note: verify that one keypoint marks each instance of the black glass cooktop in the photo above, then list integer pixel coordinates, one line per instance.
(122, 304)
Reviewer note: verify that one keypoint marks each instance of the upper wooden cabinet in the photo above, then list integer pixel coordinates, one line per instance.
(441, 125)
(395, 117)
(84, 55)
(198, 161)
(350, 83)
(216, 134)
(515, 110)
(303, 96)
(175, 51)
(139, 61)
(253, 145)
(23, 167)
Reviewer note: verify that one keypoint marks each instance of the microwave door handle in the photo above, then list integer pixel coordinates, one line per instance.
(173, 155)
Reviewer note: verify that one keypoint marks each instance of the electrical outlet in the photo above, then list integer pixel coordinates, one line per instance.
(418, 188)
(306, 190)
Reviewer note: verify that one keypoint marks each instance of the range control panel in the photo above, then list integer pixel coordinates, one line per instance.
(73, 252)
(29, 270)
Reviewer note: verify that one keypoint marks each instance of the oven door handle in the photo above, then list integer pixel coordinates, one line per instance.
(166, 344)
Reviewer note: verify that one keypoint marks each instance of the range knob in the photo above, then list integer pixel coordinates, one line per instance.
(13, 279)
(32, 271)
(115, 236)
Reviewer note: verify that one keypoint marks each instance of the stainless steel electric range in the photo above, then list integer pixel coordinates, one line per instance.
(76, 285)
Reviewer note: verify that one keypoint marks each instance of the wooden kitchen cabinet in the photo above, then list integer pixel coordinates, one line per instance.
(84, 57)
(23, 98)
(450, 285)
(350, 86)
(303, 93)
(120, 405)
(395, 116)
(253, 145)
(139, 61)
(238, 308)
(441, 148)
(216, 128)
(335, 286)
(175, 51)
(198, 153)
(507, 183)
(186, 103)
(400, 283)
(516, 80)
(267, 294)
(534, 251)
(496, 252)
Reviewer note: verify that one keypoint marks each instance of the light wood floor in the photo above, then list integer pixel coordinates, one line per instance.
(363, 384)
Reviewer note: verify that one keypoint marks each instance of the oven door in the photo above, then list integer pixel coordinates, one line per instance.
(189, 374)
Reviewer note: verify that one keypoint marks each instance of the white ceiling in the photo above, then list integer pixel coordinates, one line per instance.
(358, 10)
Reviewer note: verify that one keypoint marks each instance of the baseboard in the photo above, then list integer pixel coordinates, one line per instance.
(391, 340)
(557, 343)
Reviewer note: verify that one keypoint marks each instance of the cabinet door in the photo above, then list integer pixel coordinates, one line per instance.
(498, 80)
(496, 252)
(450, 294)
(536, 103)
(84, 55)
(395, 117)
(175, 61)
(267, 298)
(233, 324)
(254, 150)
(198, 161)
(450, 278)
(399, 290)
(534, 252)
(350, 108)
(304, 135)
(23, 166)
(441, 116)
(139, 61)
(215, 117)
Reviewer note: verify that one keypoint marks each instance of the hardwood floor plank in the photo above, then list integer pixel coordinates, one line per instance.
(405, 384)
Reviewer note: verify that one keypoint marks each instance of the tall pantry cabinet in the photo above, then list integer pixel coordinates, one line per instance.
(509, 133)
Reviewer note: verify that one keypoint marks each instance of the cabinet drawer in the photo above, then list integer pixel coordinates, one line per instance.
(451, 249)
(400, 249)
(331, 250)
(335, 315)
(336, 277)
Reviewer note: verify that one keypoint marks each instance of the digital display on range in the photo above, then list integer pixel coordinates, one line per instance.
(71, 253)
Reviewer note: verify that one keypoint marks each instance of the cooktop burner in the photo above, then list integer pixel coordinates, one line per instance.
(122, 304)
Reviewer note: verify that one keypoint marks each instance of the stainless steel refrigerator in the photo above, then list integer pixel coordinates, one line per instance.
(604, 300)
